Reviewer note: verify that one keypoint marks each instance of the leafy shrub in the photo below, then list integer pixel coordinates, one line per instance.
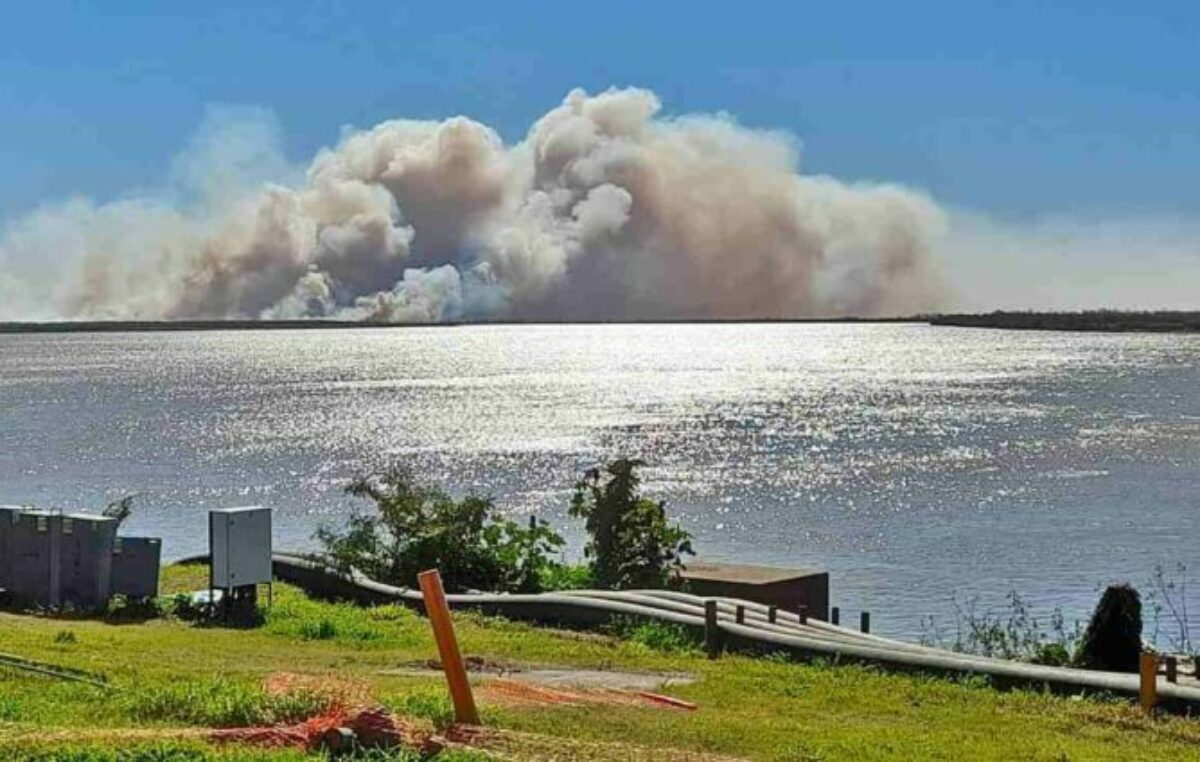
(65, 637)
(1113, 639)
(631, 544)
(417, 527)
(567, 577)
(183, 606)
(124, 609)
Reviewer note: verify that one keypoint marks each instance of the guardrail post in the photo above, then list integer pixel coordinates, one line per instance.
(740, 616)
(1172, 669)
(1148, 692)
(802, 614)
(438, 612)
(835, 615)
(772, 612)
(864, 621)
(714, 640)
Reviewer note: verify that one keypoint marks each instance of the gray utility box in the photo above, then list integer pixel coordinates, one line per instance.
(37, 558)
(60, 559)
(8, 517)
(240, 545)
(135, 563)
(86, 555)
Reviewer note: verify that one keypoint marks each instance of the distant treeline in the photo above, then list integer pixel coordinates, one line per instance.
(1162, 321)
(120, 326)
(1098, 320)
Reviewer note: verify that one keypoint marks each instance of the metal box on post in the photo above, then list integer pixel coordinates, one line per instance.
(85, 549)
(135, 563)
(240, 543)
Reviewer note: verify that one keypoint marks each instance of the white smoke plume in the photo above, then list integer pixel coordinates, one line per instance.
(606, 210)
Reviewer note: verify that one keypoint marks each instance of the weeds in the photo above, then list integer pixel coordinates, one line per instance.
(1168, 596)
(432, 706)
(1011, 633)
(222, 703)
(660, 636)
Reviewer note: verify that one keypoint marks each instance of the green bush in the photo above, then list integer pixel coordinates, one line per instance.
(1113, 639)
(415, 528)
(630, 544)
(122, 608)
(567, 577)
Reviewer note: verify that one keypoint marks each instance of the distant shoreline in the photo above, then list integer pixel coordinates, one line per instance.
(1105, 321)
(141, 326)
(1108, 321)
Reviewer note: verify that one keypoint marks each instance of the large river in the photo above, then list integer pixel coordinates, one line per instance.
(915, 463)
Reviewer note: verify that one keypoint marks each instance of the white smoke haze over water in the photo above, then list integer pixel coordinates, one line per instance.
(1057, 261)
(606, 210)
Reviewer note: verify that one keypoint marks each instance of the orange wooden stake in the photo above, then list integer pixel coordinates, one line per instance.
(1149, 684)
(452, 661)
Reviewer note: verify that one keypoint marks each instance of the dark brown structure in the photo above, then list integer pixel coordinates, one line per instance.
(787, 589)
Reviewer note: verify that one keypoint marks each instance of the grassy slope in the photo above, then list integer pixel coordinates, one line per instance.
(755, 708)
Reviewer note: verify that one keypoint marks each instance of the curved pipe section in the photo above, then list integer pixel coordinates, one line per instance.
(812, 639)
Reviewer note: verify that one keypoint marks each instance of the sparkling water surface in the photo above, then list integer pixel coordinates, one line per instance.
(914, 463)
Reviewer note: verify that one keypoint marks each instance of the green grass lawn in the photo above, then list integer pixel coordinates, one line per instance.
(171, 675)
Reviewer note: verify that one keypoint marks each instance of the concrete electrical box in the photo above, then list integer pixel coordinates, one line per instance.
(135, 563)
(240, 544)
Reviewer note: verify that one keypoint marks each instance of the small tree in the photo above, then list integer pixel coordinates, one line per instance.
(631, 544)
(1113, 639)
(416, 527)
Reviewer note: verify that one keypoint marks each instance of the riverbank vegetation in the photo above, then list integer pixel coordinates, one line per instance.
(170, 680)
(412, 526)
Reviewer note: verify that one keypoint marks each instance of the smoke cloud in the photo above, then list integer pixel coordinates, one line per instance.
(606, 210)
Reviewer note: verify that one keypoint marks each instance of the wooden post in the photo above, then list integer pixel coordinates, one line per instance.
(741, 615)
(1149, 684)
(452, 662)
(1172, 669)
(714, 641)
(771, 614)
(864, 621)
(835, 615)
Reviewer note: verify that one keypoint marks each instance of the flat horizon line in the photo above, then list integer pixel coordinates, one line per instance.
(1076, 320)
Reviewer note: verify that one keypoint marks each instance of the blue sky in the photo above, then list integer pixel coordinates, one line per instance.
(1009, 107)
(1015, 110)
